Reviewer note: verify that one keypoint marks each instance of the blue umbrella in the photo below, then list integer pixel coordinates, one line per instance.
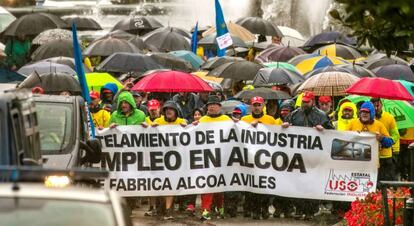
(189, 56)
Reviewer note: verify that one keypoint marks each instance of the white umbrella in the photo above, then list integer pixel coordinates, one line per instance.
(291, 36)
(5, 18)
(52, 35)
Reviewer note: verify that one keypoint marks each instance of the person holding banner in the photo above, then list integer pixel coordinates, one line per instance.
(127, 112)
(170, 117)
(257, 204)
(367, 123)
(214, 114)
(100, 116)
(308, 116)
(347, 112)
(153, 111)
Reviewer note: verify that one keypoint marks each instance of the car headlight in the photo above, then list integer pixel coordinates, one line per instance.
(57, 181)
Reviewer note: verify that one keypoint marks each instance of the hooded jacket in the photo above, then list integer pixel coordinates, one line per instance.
(109, 86)
(342, 123)
(135, 118)
(374, 126)
(242, 108)
(391, 125)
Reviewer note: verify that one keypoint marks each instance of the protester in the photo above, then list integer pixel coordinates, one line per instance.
(138, 101)
(213, 115)
(108, 92)
(126, 113)
(286, 108)
(308, 116)
(239, 111)
(326, 105)
(406, 138)
(277, 40)
(272, 108)
(347, 112)
(18, 52)
(257, 204)
(391, 125)
(187, 102)
(169, 117)
(153, 111)
(367, 123)
(100, 116)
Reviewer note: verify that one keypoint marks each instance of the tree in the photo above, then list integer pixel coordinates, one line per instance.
(387, 25)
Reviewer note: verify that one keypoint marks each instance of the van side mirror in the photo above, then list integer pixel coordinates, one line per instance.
(93, 151)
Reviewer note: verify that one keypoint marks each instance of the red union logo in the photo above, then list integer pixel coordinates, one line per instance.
(342, 185)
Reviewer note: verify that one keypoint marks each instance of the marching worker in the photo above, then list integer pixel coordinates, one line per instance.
(100, 116)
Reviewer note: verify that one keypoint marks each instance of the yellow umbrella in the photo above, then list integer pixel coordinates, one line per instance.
(97, 80)
(313, 63)
(203, 75)
(236, 30)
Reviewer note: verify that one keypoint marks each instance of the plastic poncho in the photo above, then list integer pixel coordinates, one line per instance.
(342, 123)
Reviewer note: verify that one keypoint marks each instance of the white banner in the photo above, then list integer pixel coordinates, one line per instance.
(224, 41)
(225, 156)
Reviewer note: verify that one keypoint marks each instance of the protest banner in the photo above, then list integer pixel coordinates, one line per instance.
(226, 156)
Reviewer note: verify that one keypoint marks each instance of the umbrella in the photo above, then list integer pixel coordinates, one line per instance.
(313, 63)
(203, 75)
(128, 62)
(379, 59)
(171, 82)
(328, 37)
(141, 45)
(258, 25)
(117, 34)
(211, 40)
(189, 56)
(52, 35)
(338, 50)
(6, 18)
(166, 39)
(97, 80)
(228, 106)
(137, 25)
(43, 67)
(234, 30)
(7, 76)
(238, 70)
(83, 23)
(108, 46)
(402, 111)
(260, 46)
(266, 93)
(33, 24)
(329, 83)
(279, 53)
(395, 72)
(172, 62)
(284, 65)
(291, 36)
(273, 76)
(216, 86)
(53, 49)
(237, 51)
(353, 69)
(408, 85)
(380, 88)
(214, 62)
(52, 83)
(62, 60)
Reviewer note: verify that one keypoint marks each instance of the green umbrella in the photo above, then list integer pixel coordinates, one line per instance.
(284, 65)
(402, 111)
(408, 85)
(97, 80)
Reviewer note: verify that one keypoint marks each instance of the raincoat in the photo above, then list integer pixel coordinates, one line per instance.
(101, 118)
(186, 107)
(316, 117)
(109, 86)
(17, 52)
(265, 119)
(135, 118)
(391, 125)
(374, 127)
(342, 123)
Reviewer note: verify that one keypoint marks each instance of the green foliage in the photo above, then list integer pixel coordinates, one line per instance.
(387, 25)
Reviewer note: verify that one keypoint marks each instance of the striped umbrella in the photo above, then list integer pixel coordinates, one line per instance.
(313, 63)
(329, 83)
(338, 50)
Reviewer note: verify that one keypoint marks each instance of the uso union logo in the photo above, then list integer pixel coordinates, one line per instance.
(348, 183)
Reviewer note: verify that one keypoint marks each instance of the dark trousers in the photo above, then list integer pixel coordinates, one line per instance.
(231, 202)
(282, 205)
(387, 170)
(256, 203)
(403, 163)
(306, 206)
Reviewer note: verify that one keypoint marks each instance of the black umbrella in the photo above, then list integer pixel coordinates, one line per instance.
(43, 67)
(239, 70)
(275, 76)
(139, 25)
(62, 60)
(108, 46)
(395, 72)
(83, 23)
(266, 93)
(257, 25)
(128, 62)
(278, 54)
(172, 62)
(211, 40)
(33, 24)
(117, 34)
(140, 44)
(379, 59)
(53, 49)
(53, 83)
(328, 37)
(214, 62)
(353, 69)
(166, 40)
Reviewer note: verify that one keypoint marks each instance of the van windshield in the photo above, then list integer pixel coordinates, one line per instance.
(56, 127)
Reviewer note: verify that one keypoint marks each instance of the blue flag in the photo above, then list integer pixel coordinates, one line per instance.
(221, 27)
(77, 53)
(194, 41)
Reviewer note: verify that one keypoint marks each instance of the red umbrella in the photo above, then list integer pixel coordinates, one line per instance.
(172, 82)
(380, 88)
